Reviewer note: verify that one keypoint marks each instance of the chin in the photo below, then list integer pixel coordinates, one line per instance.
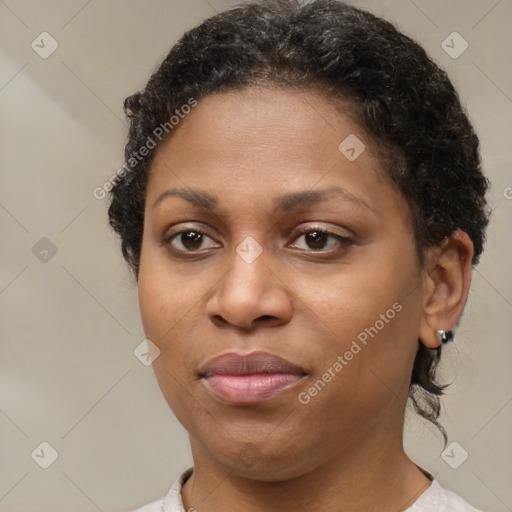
(265, 464)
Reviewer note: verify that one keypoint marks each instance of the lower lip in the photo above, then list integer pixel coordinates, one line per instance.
(250, 389)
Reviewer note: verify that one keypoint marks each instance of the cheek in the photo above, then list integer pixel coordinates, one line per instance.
(372, 312)
(354, 299)
(167, 310)
(166, 296)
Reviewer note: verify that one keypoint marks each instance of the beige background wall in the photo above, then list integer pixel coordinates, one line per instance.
(69, 321)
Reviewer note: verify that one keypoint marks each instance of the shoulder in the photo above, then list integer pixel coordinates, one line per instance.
(155, 506)
(172, 502)
(438, 499)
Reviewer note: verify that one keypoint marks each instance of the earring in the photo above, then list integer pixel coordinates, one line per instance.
(444, 337)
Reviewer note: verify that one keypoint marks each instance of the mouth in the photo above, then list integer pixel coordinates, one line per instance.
(249, 379)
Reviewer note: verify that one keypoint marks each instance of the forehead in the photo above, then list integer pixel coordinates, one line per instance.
(255, 121)
(262, 143)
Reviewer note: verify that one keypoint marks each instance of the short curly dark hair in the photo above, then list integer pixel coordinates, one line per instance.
(402, 99)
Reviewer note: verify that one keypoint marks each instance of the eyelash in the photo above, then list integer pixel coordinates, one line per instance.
(344, 242)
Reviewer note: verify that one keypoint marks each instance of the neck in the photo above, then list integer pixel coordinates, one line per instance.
(378, 479)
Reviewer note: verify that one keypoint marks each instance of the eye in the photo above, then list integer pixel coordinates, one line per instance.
(188, 240)
(317, 239)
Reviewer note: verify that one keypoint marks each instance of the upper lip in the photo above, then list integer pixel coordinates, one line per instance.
(233, 363)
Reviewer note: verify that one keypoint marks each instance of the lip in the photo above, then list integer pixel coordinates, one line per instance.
(242, 379)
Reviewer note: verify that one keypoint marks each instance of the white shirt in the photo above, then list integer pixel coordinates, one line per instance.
(434, 499)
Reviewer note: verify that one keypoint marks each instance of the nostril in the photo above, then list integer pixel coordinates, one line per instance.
(266, 317)
(218, 320)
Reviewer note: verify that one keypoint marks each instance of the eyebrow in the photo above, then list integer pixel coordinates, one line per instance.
(290, 202)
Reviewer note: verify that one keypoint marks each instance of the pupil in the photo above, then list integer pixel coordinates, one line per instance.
(316, 239)
(191, 239)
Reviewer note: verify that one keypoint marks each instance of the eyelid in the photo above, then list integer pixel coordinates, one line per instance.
(341, 239)
(343, 242)
(323, 229)
(168, 236)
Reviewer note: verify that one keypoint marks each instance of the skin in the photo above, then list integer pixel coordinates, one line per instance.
(303, 302)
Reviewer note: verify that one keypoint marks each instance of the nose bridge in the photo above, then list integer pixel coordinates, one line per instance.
(249, 275)
(249, 290)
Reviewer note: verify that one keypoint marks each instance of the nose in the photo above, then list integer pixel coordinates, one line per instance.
(249, 295)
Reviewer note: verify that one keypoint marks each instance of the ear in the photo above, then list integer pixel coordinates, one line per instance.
(446, 286)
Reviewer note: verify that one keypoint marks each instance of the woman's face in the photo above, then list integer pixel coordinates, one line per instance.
(261, 173)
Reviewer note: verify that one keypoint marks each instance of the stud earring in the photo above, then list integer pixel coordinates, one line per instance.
(444, 337)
